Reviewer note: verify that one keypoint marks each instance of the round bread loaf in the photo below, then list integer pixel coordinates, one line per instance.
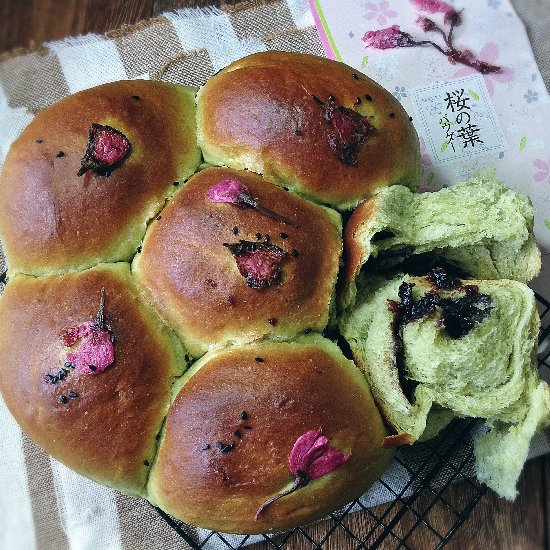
(320, 128)
(51, 218)
(239, 268)
(198, 260)
(237, 415)
(102, 425)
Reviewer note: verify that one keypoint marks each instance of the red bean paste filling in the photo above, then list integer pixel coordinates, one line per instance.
(259, 263)
(106, 150)
(458, 317)
(403, 259)
(350, 130)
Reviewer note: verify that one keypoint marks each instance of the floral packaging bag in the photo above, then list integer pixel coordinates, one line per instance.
(466, 74)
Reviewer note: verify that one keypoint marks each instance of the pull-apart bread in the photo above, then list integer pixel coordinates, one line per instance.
(123, 269)
(192, 257)
(479, 227)
(131, 260)
(253, 401)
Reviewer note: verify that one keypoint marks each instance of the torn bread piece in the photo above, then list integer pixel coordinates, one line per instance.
(435, 347)
(481, 228)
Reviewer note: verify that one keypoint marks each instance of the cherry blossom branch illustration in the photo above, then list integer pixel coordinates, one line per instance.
(394, 37)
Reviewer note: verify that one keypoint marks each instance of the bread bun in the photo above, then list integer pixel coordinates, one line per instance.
(104, 426)
(194, 279)
(53, 220)
(257, 400)
(295, 119)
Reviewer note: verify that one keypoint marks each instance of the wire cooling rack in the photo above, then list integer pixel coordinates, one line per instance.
(426, 504)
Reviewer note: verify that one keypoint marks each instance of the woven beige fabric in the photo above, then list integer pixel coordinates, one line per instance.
(50, 506)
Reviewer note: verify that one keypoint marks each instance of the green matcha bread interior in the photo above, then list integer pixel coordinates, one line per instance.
(480, 227)
(435, 347)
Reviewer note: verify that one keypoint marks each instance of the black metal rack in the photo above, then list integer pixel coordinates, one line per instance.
(425, 503)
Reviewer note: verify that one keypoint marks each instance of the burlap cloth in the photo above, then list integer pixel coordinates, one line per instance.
(42, 503)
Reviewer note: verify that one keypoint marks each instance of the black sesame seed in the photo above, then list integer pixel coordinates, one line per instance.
(235, 230)
(247, 427)
(136, 97)
(176, 183)
(211, 283)
(73, 394)
(295, 253)
(391, 115)
(159, 217)
(353, 75)
(39, 141)
(368, 97)
(238, 433)
(157, 437)
(63, 399)
(272, 321)
(259, 360)
(138, 249)
(298, 132)
(331, 98)
(227, 448)
(258, 236)
(93, 368)
(146, 462)
(357, 100)
(205, 447)
(60, 154)
(187, 358)
(411, 118)
(283, 235)
(244, 415)
(307, 331)
(68, 365)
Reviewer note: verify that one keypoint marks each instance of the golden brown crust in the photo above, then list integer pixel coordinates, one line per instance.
(259, 113)
(51, 220)
(354, 251)
(194, 279)
(108, 430)
(397, 440)
(311, 385)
